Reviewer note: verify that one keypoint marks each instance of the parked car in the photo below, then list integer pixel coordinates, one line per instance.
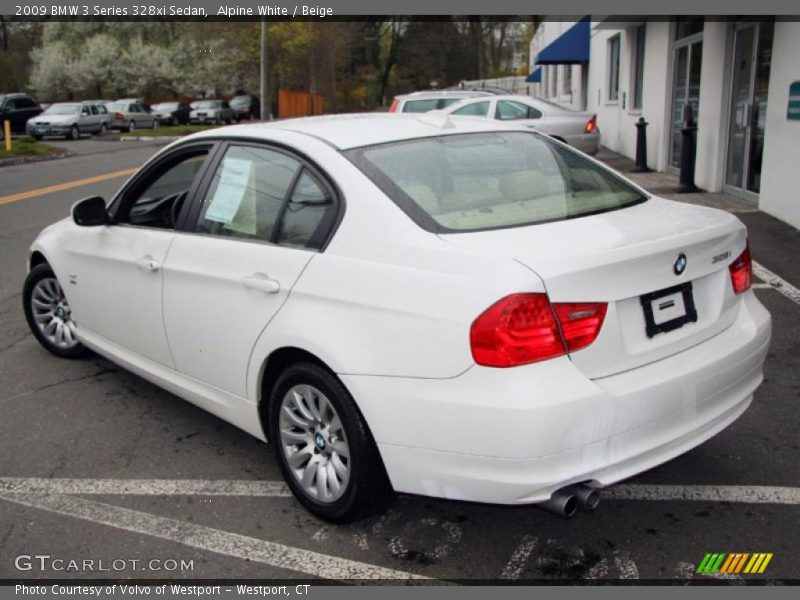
(130, 114)
(212, 111)
(524, 326)
(69, 119)
(171, 113)
(17, 109)
(578, 129)
(420, 102)
(246, 107)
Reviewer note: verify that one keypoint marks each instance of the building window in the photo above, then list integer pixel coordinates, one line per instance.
(686, 26)
(613, 69)
(638, 67)
(567, 90)
(554, 81)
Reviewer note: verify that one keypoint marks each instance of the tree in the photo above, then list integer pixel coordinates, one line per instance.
(53, 75)
(95, 69)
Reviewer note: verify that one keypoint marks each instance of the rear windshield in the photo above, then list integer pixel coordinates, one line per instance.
(477, 181)
(421, 106)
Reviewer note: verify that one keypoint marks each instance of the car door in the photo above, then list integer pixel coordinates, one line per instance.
(261, 218)
(85, 121)
(117, 285)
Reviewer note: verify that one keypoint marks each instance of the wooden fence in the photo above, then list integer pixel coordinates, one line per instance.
(298, 104)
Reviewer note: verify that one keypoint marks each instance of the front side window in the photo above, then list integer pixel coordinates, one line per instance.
(159, 199)
(478, 181)
(476, 109)
(247, 193)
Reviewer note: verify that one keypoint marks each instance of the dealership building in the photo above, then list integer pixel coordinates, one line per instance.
(740, 77)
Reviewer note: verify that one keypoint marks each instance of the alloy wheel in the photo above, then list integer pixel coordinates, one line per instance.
(314, 443)
(52, 314)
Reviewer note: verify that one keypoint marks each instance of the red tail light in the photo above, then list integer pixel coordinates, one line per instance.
(119, 117)
(591, 125)
(742, 271)
(525, 328)
(580, 323)
(393, 107)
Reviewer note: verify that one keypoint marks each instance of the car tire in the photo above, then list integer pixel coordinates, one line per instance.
(312, 414)
(131, 126)
(103, 129)
(48, 314)
(74, 133)
(37, 137)
(155, 124)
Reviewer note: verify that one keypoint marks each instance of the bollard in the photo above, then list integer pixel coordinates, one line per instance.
(7, 132)
(688, 147)
(641, 147)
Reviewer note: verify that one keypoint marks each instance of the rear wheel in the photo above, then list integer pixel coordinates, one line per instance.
(324, 447)
(49, 315)
(131, 127)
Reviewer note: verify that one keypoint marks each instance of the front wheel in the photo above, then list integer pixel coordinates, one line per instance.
(49, 315)
(74, 133)
(324, 447)
(103, 129)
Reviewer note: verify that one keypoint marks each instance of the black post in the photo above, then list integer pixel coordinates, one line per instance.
(641, 147)
(688, 149)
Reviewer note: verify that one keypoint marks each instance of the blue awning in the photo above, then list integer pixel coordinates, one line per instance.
(535, 77)
(570, 48)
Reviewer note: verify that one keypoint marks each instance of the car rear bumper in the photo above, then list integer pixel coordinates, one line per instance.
(588, 143)
(513, 436)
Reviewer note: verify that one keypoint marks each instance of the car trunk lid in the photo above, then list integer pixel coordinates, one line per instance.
(627, 258)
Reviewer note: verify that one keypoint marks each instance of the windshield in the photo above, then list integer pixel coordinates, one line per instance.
(63, 109)
(207, 104)
(240, 100)
(479, 181)
(166, 106)
(119, 106)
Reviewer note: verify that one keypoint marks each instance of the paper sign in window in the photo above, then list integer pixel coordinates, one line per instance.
(234, 199)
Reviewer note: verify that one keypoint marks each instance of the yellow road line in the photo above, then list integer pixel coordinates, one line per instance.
(60, 187)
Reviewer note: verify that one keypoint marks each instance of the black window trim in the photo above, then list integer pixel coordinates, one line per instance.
(192, 216)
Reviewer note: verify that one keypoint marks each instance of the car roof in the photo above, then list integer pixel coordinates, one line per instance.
(442, 94)
(363, 129)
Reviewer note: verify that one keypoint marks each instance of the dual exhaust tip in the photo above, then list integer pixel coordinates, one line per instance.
(566, 501)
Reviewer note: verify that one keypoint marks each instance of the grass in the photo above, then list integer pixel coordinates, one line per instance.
(168, 131)
(25, 146)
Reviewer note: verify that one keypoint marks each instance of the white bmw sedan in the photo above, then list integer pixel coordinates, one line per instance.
(464, 310)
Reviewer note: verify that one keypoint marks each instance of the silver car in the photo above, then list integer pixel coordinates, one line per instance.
(420, 102)
(211, 111)
(130, 114)
(69, 119)
(578, 129)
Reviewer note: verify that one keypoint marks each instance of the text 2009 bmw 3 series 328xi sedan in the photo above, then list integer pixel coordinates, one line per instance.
(464, 310)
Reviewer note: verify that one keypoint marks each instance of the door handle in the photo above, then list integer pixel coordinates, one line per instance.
(147, 263)
(261, 283)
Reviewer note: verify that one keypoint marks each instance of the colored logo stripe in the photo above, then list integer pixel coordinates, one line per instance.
(730, 563)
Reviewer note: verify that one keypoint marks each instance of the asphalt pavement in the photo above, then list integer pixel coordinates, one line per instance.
(97, 464)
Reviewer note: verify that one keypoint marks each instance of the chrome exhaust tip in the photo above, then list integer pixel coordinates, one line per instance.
(562, 503)
(588, 497)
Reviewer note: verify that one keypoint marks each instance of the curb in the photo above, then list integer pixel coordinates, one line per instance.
(22, 160)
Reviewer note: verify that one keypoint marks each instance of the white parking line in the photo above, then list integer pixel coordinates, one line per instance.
(145, 487)
(781, 285)
(519, 559)
(744, 494)
(206, 538)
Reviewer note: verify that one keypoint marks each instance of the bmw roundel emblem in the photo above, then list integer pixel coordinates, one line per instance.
(680, 264)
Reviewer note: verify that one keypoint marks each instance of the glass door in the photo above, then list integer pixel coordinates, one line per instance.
(687, 60)
(750, 81)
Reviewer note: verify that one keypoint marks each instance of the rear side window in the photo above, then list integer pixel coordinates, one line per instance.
(308, 215)
(510, 111)
(247, 193)
(478, 109)
(477, 181)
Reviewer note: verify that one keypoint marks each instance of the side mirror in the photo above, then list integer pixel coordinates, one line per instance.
(90, 212)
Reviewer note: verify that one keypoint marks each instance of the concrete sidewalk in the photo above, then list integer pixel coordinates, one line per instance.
(773, 243)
